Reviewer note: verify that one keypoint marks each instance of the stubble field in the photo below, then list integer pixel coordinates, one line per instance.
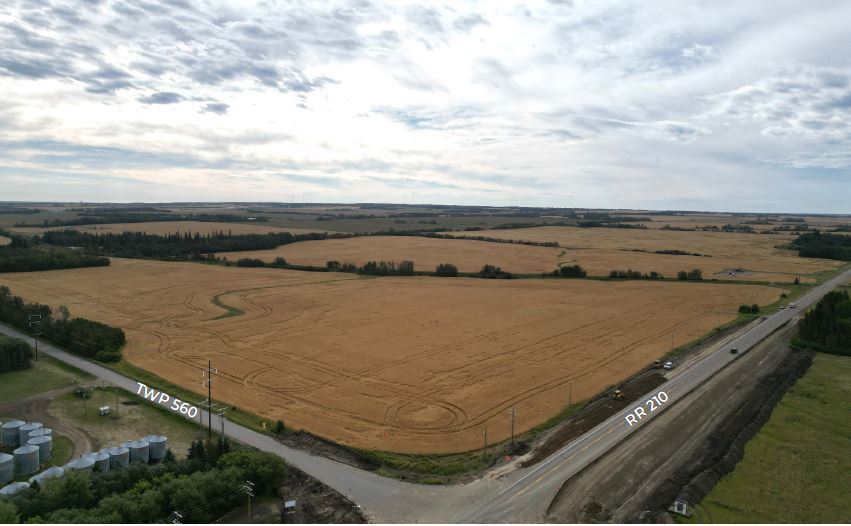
(600, 250)
(413, 364)
(426, 253)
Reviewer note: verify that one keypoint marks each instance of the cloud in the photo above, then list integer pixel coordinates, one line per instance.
(162, 97)
(609, 103)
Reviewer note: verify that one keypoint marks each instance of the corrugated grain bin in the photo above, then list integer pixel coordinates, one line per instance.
(45, 447)
(47, 431)
(37, 432)
(119, 457)
(25, 430)
(54, 472)
(140, 451)
(26, 459)
(9, 433)
(13, 488)
(7, 468)
(81, 463)
(101, 462)
(158, 446)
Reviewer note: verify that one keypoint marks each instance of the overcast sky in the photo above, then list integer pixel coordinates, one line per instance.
(686, 105)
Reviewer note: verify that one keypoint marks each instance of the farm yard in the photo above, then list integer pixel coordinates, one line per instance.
(415, 364)
(426, 253)
(600, 250)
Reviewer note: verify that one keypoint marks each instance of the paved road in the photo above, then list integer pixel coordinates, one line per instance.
(521, 496)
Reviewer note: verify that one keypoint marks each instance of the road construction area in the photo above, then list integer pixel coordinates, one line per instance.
(641, 476)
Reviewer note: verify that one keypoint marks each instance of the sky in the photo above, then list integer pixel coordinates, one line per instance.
(724, 106)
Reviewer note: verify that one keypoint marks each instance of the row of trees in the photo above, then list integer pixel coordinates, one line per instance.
(749, 309)
(824, 245)
(201, 490)
(15, 354)
(827, 327)
(634, 274)
(31, 259)
(568, 271)
(690, 275)
(106, 216)
(175, 246)
(80, 336)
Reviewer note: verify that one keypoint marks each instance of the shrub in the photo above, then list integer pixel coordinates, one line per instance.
(15, 354)
(446, 270)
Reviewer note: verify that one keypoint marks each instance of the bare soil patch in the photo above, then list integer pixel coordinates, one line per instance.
(426, 253)
(415, 364)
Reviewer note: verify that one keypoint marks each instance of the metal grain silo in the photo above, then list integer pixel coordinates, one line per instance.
(119, 457)
(13, 488)
(45, 446)
(101, 462)
(54, 472)
(26, 459)
(7, 468)
(158, 446)
(9, 433)
(25, 430)
(81, 464)
(47, 431)
(140, 451)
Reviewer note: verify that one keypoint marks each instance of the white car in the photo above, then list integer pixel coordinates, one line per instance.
(791, 305)
(668, 365)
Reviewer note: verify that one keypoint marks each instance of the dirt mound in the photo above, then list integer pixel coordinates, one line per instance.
(726, 446)
(317, 503)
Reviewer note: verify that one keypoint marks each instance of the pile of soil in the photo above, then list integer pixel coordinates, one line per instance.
(316, 503)
(726, 446)
(597, 411)
(319, 446)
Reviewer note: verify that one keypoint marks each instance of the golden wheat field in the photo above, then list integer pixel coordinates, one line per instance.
(409, 364)
(600, 250)
(169, 227)
(426, 253)
(4, 240)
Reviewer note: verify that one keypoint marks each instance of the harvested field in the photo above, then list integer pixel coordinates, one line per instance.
(170, 227)
(426, 253)
(4, 240)
(413, 364)
(600, 250)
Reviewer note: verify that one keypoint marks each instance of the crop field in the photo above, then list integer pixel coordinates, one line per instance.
(408, 364)
(170, 227)
(4, 240)
(426, 253)
(600, 250)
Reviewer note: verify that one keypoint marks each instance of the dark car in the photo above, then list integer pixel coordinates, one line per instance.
(734, 350)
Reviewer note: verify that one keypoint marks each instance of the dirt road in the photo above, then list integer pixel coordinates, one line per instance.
(616, 487)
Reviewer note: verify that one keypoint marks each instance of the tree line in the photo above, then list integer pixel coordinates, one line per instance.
(106, 216)
(21, 258)
(87, 338)
(634, 274)
(827, 327)
(823, 245)
(15, 354)
(568, 271)
(201, 489)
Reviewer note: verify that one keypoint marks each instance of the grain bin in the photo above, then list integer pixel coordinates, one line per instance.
(26, 459)
(9, 433)
(25, 430)
(119, 457)
(158, 446)
(7, 468)
(13, 488)
(44, 445)
(81, 463)
(140, 451)
(101, 462)
(54, 472)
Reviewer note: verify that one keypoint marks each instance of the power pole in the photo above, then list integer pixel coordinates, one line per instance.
(248, 488)
(35, 319)
(485, 450)
(569, 394)
(513, 412)
(175, 518)
(208, 374)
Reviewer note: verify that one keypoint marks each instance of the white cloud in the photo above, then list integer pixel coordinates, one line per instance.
(480, 102)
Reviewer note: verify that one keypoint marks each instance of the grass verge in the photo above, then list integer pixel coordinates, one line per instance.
(46, 374)
(797, 469)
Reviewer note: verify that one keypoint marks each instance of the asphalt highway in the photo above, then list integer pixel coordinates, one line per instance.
(520, 496)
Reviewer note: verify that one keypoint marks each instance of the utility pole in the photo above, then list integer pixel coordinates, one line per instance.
(35, 319)
(569, 393)
(175, 518)
(209, 382)
(513, 412)
(248, 488)
(485, 450)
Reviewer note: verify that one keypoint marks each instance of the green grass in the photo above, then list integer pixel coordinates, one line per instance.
(798, 468)
(62, 448)
(46, 374)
